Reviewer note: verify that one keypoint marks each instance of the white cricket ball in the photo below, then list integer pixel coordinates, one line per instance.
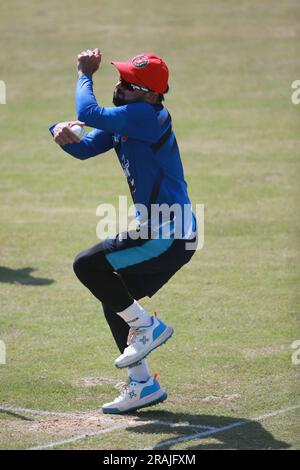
(78, 130)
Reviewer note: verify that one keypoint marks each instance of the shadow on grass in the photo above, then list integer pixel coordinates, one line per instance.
(240, 434)
(22, 276)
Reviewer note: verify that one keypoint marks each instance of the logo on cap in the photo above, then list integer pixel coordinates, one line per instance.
(140, 61)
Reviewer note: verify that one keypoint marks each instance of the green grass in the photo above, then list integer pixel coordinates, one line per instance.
(235, 306)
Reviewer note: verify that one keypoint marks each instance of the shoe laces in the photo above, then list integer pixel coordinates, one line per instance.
(123, 387)
(133, 333)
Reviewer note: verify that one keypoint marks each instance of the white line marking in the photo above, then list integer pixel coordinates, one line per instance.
(78, 438)
(17, 409)
(197, 435)
(224, 428)
(97, 433)
(188, 425)
(275, 413)
(111, 429)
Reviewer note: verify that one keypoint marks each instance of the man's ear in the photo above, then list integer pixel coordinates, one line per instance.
(151, 97)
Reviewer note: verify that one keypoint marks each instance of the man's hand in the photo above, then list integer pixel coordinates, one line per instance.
(63, 135)
(89, 61)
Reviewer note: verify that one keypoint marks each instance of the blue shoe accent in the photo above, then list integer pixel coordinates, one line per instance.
(150, 389)
(114, 411)
(158, 330)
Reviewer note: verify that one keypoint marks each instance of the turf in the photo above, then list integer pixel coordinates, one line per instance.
(235, 306)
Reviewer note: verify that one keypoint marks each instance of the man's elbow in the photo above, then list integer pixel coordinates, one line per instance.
(75, 153)
(86, 114)
(82, 115)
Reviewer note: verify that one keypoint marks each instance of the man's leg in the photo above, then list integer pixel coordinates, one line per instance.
(118, 327)
(121, 310)
(97, 274)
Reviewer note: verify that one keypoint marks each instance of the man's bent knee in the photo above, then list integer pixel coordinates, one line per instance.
(81, 263)
(87, 260)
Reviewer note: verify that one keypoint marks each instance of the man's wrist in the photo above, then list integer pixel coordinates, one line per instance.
(81, 74)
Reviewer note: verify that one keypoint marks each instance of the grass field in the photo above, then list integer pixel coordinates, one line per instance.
(234, 307)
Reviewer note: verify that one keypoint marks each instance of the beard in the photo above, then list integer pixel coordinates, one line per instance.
(118, 100)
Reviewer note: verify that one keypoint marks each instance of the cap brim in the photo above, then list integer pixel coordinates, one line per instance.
(127, 72)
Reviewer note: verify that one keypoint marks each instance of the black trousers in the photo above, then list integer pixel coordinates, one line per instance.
(121, 269)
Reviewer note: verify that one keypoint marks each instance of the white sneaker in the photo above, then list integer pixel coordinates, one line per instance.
(141, 341)
(135, 395)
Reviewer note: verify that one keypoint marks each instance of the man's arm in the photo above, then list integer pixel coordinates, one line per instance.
(136, 120)
(92, 144)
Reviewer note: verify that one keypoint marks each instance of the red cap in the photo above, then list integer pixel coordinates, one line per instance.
(147, 70)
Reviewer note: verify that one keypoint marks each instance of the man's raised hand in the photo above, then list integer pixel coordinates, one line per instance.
(89, 61)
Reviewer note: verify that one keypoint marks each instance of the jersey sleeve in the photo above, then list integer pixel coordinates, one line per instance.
(92, 144)
(136, 120)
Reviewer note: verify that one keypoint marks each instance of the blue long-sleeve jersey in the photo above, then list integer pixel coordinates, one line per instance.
(144, 141)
